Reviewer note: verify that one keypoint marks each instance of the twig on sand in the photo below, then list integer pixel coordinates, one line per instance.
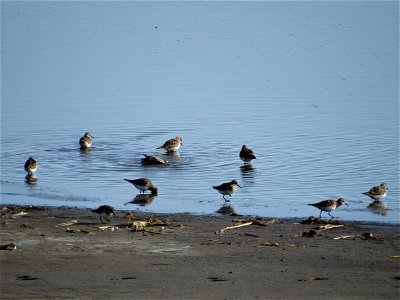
(314, 231)
(248, 222)
(222, 231)
(68, 223)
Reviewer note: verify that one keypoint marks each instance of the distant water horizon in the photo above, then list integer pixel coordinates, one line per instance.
(311, 87)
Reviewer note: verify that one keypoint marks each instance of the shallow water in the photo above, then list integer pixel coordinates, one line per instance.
(311, 87)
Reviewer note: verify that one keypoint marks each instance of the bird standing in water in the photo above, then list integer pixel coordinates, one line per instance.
(246, 154)
(227, 188)
(172, 144)
(30, 165)
(143, 184)
(85, 142)
(377, 193)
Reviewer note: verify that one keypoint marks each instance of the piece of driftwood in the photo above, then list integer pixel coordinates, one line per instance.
(139, 225)
(258, 222)
(68, 223)
(222, 231)
(327, 227)
(314, 231)
(247, 222)
(344, 237)
(108, 227)
(314, 220)
(19, 214)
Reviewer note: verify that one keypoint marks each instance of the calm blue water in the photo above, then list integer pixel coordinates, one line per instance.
(311, 87)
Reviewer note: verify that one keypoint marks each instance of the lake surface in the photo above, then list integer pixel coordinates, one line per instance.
(311, 87)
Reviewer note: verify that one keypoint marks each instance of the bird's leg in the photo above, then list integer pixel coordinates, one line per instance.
(331, 215)
(223, 196)
(320, 213)
(107, 219)
(101, 220)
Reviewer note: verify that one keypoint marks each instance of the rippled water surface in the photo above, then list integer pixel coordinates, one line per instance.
(311, 87)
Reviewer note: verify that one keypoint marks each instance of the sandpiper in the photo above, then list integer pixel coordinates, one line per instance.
(31, 165)
(104, 210)
(378, 192)
(172, 144)
(153, 160)
(246, 154)
(227, 188)
(86, 141)
(328, 205)
(143, 184)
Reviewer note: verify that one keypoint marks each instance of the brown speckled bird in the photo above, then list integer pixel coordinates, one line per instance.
(377, 193)
(328, 205)
(143, 184)
(172, 144)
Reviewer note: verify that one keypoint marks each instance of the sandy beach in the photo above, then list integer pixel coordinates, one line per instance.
(67, 253)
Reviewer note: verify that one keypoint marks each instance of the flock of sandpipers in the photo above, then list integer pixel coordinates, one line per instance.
(377, 193)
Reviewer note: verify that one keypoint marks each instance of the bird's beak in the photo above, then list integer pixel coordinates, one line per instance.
(346, 204)
(239, 186)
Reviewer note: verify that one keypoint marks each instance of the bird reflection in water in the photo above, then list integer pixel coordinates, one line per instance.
(142, 199)
(85, 151)
(173, 154)
(31, 179)
(247, 169)
(227, 209)
(378, 207)
(247, 172)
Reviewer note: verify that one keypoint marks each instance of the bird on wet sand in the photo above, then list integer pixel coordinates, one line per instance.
(227, 188)
(85, 142)
(328, 205)
(30, 165)
(143, 184)
(104, 210)
(378, 192)
(172, 144)
(246, 154)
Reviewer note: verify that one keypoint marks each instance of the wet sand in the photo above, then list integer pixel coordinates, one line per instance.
(182, 257)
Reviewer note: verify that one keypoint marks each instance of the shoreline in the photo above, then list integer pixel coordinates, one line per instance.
(66, 252)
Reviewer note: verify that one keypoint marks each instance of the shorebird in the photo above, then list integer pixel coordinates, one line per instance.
(153, 160)
(172, 144)
(86, 141)
(31, 165)
(328, 205)
(104, 210)
(378, 192)
(143, 184)
(227, 188)
(246, 154)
